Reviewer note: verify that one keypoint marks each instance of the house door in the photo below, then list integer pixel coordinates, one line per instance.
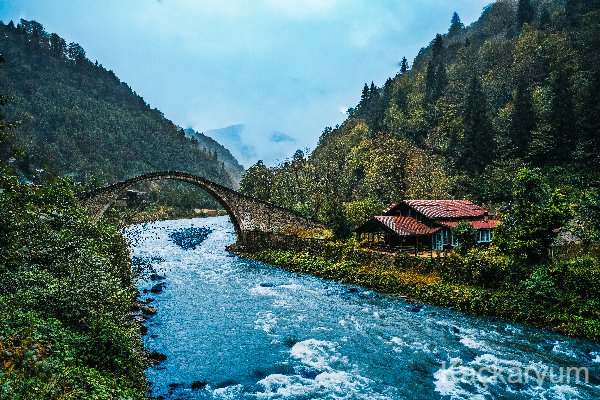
(439, 241)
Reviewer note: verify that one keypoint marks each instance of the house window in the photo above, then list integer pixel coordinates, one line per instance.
(485, 235)
(409, 212)
(419, 217)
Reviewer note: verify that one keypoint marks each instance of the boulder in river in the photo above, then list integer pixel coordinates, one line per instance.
(157, 288)
(148, 310)
(198, 384)
(156, 357)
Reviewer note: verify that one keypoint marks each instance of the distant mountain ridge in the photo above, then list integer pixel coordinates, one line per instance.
(242, 140)
(231, 163)
(79, 119)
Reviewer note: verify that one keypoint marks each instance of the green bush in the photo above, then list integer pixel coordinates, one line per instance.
(541, 286)
(479, 267)
(65, 287)
(466, 236)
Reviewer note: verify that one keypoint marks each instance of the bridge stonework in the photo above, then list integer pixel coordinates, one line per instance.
(246, 213)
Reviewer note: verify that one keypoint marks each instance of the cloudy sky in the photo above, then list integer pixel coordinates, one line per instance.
(285, 69)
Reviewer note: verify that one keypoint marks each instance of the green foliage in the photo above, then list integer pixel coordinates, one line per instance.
(455, 26)
(477, 136)
(534, 218)
(466, 235)
(525, 12)
(589, 216)
(257, 182)
(65, 293)
(360, 211)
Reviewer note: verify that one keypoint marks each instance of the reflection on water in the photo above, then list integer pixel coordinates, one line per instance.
(251, 331)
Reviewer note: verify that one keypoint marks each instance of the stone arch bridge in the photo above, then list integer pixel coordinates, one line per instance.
(246, 213)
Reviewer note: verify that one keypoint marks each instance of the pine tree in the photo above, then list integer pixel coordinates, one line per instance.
(430, 83)
(364, 96)
(523, 119)
(435, 81)
(441, 80)
(371, 116)
(563, 119)
(399, 98)
(437, 48)
(455, 25)
(525, 12)
(477, 137)
(383, 105)
(403, 65)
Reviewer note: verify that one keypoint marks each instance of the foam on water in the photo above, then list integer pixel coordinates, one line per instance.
(318, 354)
(327, 385)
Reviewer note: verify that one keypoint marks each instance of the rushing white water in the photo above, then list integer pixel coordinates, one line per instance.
(251, 331)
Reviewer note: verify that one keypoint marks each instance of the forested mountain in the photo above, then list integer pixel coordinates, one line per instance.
(79, 119)
(519, 87)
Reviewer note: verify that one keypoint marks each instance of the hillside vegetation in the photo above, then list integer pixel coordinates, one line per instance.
(504, 112)
(66, 292)
(78, 119)
(518, 88)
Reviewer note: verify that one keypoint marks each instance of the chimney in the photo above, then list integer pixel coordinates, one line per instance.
(485, 216)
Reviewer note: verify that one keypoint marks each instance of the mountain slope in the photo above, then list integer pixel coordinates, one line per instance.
(519, 87)
(78, 119)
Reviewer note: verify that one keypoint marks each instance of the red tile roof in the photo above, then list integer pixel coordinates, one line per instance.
(405, 226)
(477, 224)
(443, 208)
(389, 208)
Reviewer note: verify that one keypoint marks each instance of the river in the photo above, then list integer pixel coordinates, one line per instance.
(251, 331)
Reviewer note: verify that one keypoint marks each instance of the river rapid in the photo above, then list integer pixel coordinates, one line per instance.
(245, 330)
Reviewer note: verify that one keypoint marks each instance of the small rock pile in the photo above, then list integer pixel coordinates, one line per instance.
(190, 238)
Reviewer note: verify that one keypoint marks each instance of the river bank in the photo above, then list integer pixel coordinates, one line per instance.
(562, 298)
(66, 293)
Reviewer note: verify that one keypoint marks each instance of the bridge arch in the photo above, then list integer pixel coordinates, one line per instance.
(245, 212)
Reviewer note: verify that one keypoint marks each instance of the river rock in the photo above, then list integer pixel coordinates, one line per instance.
(198, 384)
(267, 285)
(148, 310)
(157, 288)
(190, 238)
(143, 330)
(157, 357)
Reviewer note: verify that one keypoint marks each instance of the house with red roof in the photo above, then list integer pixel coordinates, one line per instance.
(425, 225)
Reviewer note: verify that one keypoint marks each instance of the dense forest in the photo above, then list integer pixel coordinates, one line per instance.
(78, 119)
(518, 88)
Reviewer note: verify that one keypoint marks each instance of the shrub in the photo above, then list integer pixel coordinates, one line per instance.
(466, 236)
